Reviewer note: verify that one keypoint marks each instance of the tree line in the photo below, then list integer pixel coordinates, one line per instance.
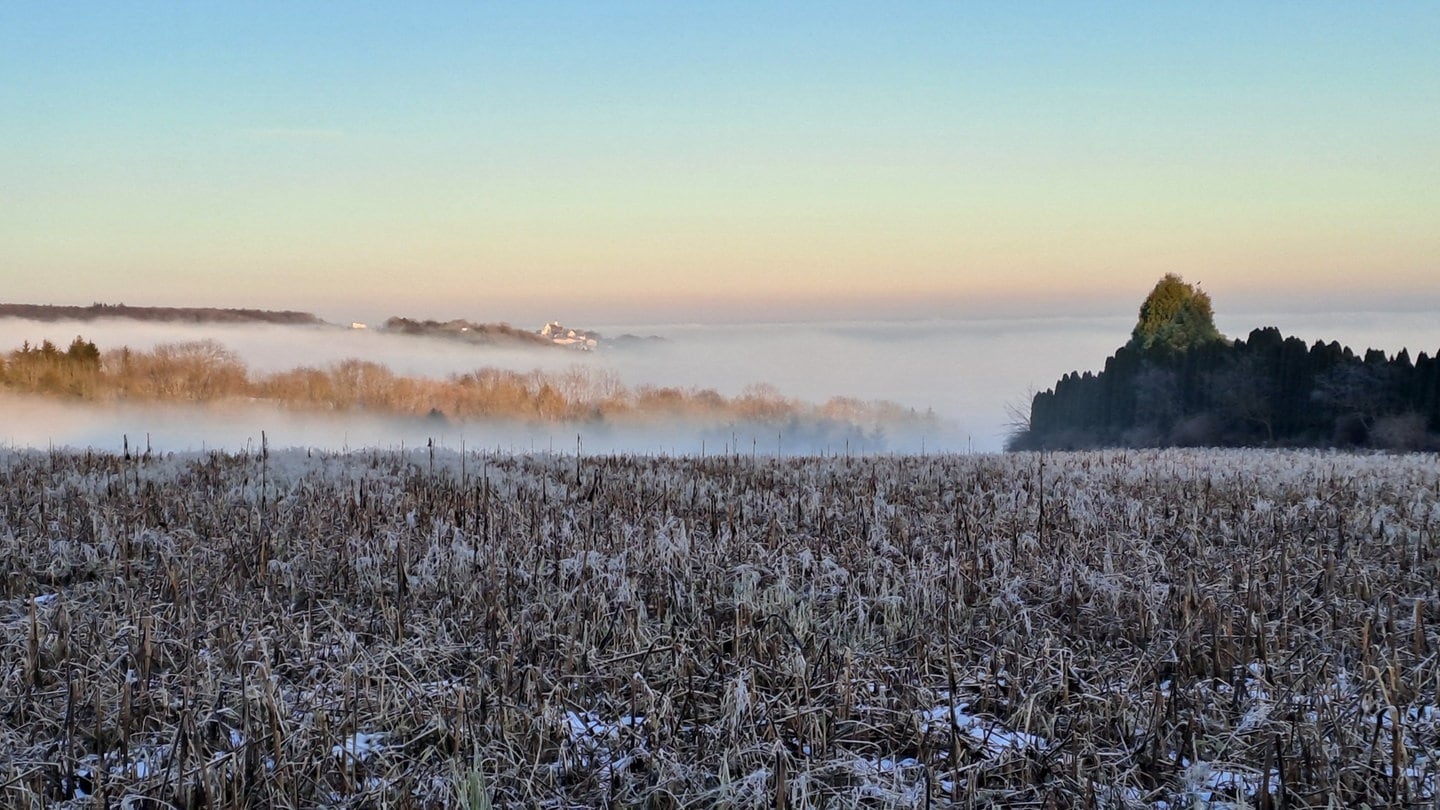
(205, 371)
(49, 312)
(1179, 382)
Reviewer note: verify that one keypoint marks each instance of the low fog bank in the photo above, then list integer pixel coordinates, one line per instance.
(269, 348)
(967, 372)
(964, 372)
(42, 422)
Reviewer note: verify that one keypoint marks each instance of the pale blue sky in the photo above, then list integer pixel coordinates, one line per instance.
(604, 162)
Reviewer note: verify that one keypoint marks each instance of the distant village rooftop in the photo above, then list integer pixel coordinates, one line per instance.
(580, 339)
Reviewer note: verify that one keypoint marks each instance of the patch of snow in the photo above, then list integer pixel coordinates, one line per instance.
(360, 746)
(589, 726)
(1213, 785)
(990, 733)
(591, 737)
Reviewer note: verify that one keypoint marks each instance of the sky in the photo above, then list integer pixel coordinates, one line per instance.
(679, 162)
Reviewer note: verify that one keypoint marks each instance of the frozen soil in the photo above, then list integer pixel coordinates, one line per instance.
(385, 629)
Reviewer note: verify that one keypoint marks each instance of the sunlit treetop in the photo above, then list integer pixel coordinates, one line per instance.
(1176, 317)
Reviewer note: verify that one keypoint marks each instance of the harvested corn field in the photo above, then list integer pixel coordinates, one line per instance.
(430, 629)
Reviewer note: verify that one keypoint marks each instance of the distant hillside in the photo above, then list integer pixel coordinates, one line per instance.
(468, 331)
(552, 335)
(45, 312)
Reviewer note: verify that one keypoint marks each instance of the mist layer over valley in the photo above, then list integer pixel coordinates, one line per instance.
(952, 381)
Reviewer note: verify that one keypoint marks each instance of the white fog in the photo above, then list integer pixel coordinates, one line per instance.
(965, 372)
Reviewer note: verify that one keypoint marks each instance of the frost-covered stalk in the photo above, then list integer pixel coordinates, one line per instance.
(402, 629)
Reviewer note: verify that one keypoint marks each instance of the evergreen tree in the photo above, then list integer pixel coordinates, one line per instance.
(1175, 317)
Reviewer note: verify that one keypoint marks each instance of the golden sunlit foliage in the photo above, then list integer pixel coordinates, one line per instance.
(205, 371)
(1175, 317)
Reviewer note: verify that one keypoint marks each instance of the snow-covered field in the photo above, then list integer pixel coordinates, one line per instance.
(1143, 629)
